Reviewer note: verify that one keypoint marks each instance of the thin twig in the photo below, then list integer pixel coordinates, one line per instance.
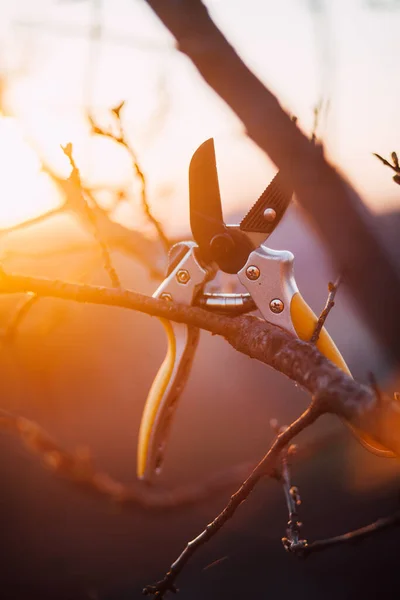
(19, 316)
(353, 536)
(264, 467)
(113, 234)
(330, 303)
(31, 222)
(75, 178)
(293, 501)
(121, 139)
(27, 304)
(395, 166)
(317, 113)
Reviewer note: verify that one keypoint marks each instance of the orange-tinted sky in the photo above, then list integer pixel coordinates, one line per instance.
(344, 51)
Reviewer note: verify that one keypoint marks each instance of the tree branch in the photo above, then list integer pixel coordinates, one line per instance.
(298, 360)
(342, 220)
(34, 221)
(121, 139)
(353, 536)
(293, 501)
(77, 467)
(264, 467)
(113, 234)
(75, 179)
(22, 311)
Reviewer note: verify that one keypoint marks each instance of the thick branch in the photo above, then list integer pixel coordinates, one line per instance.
(298, 360)
(339, 215)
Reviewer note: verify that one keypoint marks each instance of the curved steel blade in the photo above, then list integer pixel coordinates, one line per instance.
(206, 219)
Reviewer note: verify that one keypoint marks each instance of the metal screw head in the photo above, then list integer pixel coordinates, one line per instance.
(183, 276)
(269, 215)
(252, 272)
(166, 297)
(276, 305)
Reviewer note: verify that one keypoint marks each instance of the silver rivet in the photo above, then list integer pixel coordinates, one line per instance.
(269, 215)
(166, 297)
(253, 272)
(183, 276)
(276, 305)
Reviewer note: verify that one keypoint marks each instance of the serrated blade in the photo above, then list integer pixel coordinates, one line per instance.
(277, 197)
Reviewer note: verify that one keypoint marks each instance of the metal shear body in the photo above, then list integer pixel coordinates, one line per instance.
(266, 274)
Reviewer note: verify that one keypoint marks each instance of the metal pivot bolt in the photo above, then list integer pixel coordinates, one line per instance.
(276, 305)
(166, 297)
(252, 272)
(183, 276)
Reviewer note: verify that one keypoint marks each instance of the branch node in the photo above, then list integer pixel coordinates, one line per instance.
(330, 303)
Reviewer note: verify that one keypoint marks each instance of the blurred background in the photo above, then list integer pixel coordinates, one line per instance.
(83, 372)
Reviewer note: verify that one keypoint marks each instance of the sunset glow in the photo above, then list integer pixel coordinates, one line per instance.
(169, 111)
(25, 191)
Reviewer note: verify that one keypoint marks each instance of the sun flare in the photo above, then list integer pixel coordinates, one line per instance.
(25, 190)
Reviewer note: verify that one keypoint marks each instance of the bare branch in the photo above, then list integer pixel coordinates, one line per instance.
(317, 114)
(395, 166)
(75, 178)
(19, 316)
(293, 501)
(353, 536)
(34, 221)
(301, 547)
(298, 360)
(330, 303)
(113, 234)
(70, 249)
(265, 467)
(78, 468)
(121, 139)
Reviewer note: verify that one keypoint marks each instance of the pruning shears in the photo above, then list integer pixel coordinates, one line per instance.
(266, 274)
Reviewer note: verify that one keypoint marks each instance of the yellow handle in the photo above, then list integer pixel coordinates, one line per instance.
(304, 321)
(163, 396)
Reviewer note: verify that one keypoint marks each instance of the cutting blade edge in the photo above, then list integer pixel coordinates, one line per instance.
(206, 218)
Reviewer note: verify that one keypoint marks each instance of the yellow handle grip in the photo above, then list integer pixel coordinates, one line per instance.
(163, 396)
(304, 321)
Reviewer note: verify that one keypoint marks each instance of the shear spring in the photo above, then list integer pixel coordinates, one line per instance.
(236, 304)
